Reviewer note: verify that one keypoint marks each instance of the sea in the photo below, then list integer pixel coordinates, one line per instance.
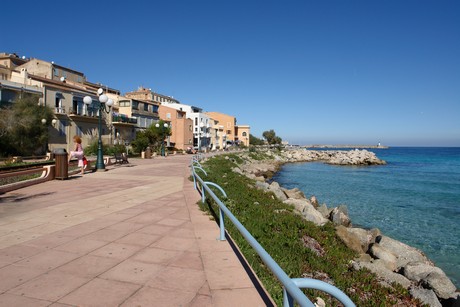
(414, 198)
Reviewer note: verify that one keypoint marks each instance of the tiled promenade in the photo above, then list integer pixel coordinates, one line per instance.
(131, 236)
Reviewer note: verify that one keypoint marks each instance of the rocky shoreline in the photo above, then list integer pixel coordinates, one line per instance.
(392, 261)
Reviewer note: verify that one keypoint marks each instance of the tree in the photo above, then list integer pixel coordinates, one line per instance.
(152, 136)
(255, 140)
(271, 138)
(21, 129)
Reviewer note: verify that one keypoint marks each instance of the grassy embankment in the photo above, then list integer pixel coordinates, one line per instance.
(301, 248)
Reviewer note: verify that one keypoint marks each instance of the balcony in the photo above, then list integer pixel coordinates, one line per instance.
(122, 118)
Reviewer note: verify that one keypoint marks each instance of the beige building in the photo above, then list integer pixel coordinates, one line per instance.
(181, 127)
(62, 89)
(242, 134)
(227, 131)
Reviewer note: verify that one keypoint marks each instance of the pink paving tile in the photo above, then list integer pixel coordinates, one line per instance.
(49, 241)
(47, 260)
(237, 297)
(18, 252)
(156, 229)
(116, 250)
(173, 243)
(201, 301)
(81, 246)
(133, 271)
(137, 238)
(88, 266)
(157, 255)
(100, 292)
(226, 259)
(155, 297)
(179, 279)
(188, 260)
(51, 286)
(183, 233)
(106, 235)
(227, 278)
(171, 222)
(125, 226)
(12, 276)
(11, 300)
(145, 218)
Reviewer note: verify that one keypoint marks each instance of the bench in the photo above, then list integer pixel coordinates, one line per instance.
(121, 158)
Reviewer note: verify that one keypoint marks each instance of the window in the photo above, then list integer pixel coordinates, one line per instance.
(168, 115)
(79, 132)
(125, 103)
(245, 134)
(56, 72)
(79, 79)
(154, 108)
(196, 121)
(136, 105)
(146, 107)
(229, 132)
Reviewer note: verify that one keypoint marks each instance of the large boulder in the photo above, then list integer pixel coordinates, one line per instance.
(294, 193)
(309, 213)
(387, 257)
(426, 296)
(431, 277)
(276, 189)
(357, 239)
(339, 216)
(403, 252)
(383, 273)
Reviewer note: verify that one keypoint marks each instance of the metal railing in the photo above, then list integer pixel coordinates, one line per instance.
(291, 291)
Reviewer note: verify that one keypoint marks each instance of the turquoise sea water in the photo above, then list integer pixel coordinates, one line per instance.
(415, 198)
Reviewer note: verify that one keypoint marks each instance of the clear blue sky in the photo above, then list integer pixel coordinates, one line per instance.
(328, 72)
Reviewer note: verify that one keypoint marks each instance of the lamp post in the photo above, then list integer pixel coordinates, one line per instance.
(163, 134)
(103, 102)
(53, 122)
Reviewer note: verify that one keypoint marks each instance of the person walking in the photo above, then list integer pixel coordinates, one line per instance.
(78, 153)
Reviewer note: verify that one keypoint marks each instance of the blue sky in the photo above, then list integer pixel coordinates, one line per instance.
(317, 72)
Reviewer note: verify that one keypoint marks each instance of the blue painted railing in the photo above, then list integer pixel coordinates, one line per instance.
(291, 291)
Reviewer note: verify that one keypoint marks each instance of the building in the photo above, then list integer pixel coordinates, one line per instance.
(232, 133)
(62, 89)
(181, 127)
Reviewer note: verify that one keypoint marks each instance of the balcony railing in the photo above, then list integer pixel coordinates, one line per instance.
(121, 118)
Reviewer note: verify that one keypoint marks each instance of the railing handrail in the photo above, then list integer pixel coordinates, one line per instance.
(291, 286)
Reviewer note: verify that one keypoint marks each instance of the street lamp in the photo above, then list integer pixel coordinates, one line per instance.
(163, 135)
(103, 102)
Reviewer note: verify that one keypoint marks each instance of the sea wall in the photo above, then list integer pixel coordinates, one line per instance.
(392, 261)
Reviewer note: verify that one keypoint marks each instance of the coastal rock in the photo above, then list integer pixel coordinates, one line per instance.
(352, 239)
(309, 213)
(324, 210)
(314, 201)
(387, 257)
(276, 189)
(382, 272)
(261, 185)
(426, 296)
(357, 239)
(431, 277)
(405, 253)
(339, 216)
(294, 193)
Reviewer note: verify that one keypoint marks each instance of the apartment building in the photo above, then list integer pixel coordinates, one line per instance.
(62, 89)
(181, 127)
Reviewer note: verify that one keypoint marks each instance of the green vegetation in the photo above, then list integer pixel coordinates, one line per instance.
(301, 248)
(91, 149)
(255, 140)
(271, 137)
(22, 132)
(151, 137)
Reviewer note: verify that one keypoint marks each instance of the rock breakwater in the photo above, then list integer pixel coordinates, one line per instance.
(392, 261)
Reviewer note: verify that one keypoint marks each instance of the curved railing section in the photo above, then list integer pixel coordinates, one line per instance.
(292, 292)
